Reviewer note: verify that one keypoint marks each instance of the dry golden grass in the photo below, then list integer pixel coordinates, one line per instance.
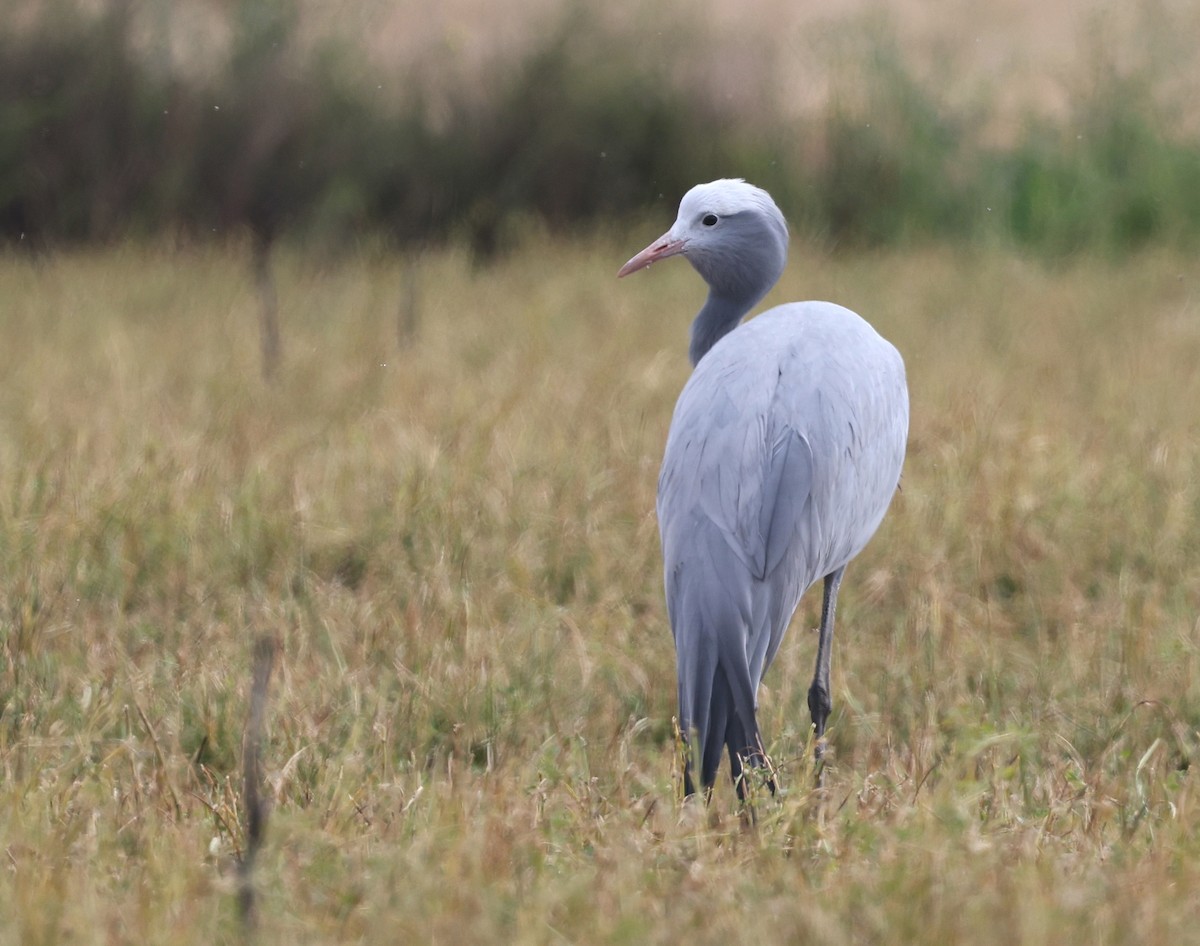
(469, 734)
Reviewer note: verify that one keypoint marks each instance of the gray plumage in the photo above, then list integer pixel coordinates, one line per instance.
(783, 455)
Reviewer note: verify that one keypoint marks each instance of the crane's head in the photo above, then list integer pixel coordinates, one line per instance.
(731, 232)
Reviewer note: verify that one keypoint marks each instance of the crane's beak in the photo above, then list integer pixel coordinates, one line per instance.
(664, 246)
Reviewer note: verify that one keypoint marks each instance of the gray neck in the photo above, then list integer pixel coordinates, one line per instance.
(719, 316)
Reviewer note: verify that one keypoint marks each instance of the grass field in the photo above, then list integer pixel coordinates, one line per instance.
(453, 541)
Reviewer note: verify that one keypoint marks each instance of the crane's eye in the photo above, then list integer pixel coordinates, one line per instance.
(709, 220)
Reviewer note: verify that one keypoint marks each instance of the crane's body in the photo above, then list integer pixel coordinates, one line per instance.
(766, 489)
(784, 452)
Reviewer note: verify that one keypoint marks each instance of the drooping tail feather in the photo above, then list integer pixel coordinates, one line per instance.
(712, 620)
(716, 701)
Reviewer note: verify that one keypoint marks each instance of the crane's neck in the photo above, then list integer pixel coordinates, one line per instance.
(740, 265)
(719, 316)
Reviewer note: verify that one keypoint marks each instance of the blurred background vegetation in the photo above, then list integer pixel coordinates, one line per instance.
(141, 118)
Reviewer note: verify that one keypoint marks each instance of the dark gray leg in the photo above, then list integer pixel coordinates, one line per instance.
(819, 701)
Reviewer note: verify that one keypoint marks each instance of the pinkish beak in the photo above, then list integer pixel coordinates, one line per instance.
(661, 248)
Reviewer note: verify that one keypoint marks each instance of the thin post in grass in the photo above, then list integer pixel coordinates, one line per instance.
(253, 802)
(408, 313)
(268, 310)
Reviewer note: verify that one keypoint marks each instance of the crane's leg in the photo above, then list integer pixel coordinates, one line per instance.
(819, 701)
